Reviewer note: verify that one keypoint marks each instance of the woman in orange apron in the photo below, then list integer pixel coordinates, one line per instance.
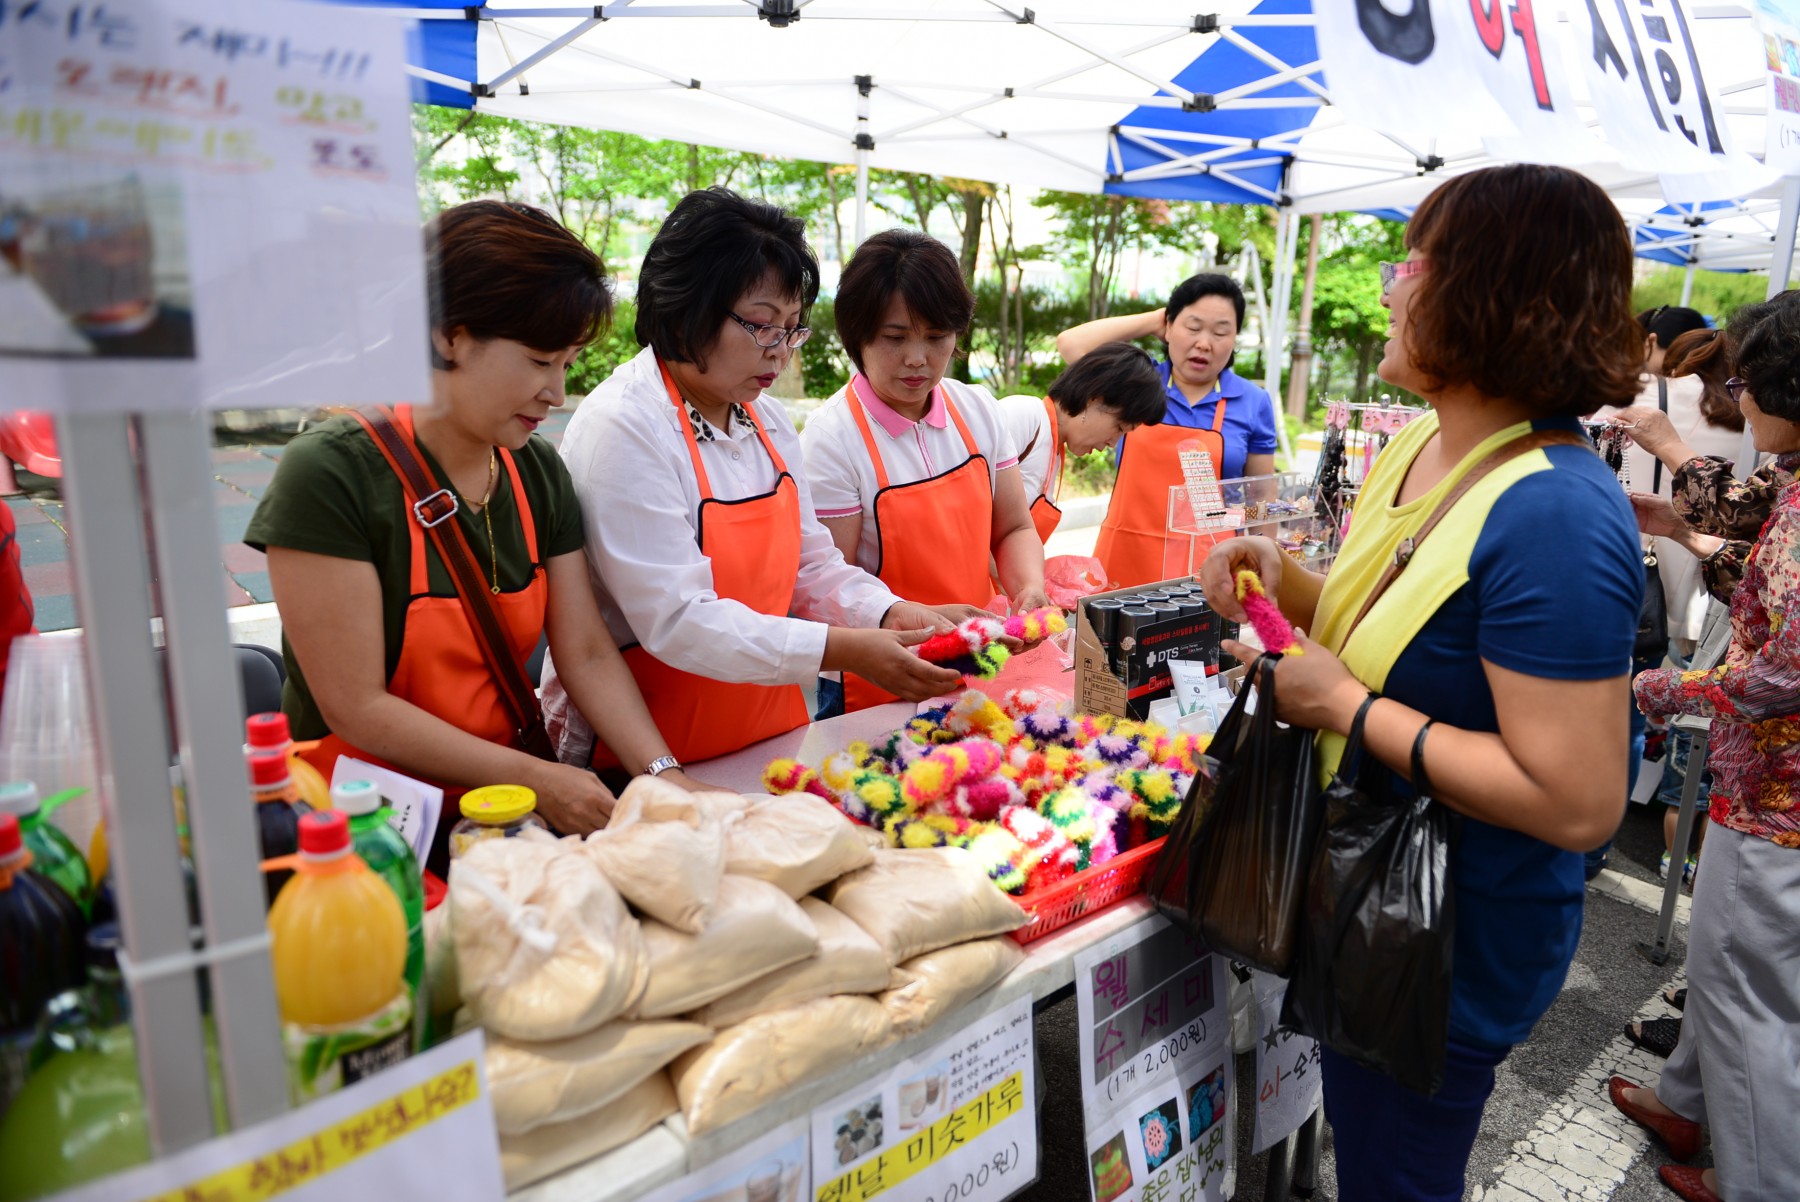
(706, 557)
(1111, 392)
(1209, 408)
(917, 476)
(385, 657)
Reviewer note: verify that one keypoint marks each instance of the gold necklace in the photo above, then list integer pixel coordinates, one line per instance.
(487, 518)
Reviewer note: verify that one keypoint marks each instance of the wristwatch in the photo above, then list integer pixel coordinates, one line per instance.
(661, 765)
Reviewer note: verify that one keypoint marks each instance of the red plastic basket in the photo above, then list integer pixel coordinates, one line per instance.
(1086, 892)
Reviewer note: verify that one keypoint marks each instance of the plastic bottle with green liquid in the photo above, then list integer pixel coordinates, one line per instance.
(386, 851)
(53, 854)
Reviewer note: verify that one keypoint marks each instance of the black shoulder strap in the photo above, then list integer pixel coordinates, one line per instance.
(1662, 402)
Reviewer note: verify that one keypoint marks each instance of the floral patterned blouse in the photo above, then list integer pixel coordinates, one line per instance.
(1754, 696)
(1710, 499)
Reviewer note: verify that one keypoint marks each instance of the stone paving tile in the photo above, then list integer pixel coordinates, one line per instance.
(54, 611)
(234, 519)
(1582, 1148)
(41, 543)
(256, 584)
(240, 559)
(25, 513)
(49, 579)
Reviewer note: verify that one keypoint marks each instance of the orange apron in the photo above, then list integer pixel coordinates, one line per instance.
(441, 668)
(934, 536)
(1134, 545)
(754, 546)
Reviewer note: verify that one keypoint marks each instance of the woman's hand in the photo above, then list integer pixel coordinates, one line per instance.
(1030, 599)
(910, 615)
(885, 658)
(1218, 575)
(1650, 428)
(679, 776)
(571, 798)
(1656, 515)
(1314, 690)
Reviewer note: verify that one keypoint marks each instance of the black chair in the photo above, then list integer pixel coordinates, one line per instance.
(261, 672)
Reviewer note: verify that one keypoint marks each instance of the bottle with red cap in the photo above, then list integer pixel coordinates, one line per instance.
(270, 732)
(338, 943)
(278, 812)
(41, 955)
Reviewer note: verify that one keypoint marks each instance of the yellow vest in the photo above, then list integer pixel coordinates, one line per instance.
(1441, 567)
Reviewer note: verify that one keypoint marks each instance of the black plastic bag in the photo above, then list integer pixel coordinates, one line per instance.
(1372, 978)
(1235, 865)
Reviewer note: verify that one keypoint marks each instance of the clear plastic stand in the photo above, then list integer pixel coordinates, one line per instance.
(1279, 506)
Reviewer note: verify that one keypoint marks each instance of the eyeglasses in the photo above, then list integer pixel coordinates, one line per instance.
(768, 336)
(1398, 271)
(1734, 388)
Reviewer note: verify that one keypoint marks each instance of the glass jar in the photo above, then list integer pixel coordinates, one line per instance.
(494, 812)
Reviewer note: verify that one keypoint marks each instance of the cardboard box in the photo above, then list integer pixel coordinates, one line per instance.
(1125, 680)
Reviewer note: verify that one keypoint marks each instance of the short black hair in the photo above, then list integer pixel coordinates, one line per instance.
(513, 271)
(1207, 283)
(1765, 339)
(919, 268)
(1669, 322)
(712, 248)
(1120, 377)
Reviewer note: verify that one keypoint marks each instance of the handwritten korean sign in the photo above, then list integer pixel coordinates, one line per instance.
(1156, 1077)
(1288, 1081)
(956, 1124)
(425, 1125)
(205, 203)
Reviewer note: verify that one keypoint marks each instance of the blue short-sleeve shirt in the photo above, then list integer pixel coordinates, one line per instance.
(1249, 417)
(1555, 582)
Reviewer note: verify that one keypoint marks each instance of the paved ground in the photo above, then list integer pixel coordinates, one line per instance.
(241, 471)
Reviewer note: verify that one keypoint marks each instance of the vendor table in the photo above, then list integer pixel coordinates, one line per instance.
(666, 1152)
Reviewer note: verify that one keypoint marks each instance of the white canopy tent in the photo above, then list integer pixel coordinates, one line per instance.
(1137, 97)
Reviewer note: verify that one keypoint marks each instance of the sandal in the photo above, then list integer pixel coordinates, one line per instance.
(1676, 997)
(1658, 1036)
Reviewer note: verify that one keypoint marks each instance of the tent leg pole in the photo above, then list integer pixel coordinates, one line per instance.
(862, 196)
(1687, 286)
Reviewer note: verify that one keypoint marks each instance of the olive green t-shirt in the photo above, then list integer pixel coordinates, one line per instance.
(334, 494)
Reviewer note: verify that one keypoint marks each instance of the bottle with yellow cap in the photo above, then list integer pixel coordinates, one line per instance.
(494, 812)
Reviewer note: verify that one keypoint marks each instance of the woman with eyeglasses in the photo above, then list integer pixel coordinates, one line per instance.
(916, 476)
(711, 569)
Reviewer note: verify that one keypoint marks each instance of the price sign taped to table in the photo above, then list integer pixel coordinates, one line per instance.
(423, 1128)
(1156, 1068)
(956, 1124)
(1288, 1081)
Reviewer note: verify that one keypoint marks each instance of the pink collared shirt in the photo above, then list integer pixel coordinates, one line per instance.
(837, 463)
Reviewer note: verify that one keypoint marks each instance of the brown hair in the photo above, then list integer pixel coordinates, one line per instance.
(512, 271)
(919, 268)
(1704, 353)
(1528, 291)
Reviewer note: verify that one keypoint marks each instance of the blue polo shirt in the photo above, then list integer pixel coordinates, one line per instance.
(1249, 418)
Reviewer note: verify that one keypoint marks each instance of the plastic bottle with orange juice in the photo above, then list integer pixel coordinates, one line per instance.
(339, 950)
(270, 732)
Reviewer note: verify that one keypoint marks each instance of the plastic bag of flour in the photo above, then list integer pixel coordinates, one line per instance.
(537, 1083)
(796, 841)
(663, 852)
(848, 961)
(928, 987)
(913, 900)
(550, 1149)
(755, 929)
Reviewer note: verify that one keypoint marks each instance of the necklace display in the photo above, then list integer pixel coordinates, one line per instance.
(488, 519)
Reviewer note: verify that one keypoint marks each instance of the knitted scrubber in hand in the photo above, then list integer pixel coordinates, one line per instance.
(1266, 618)
(974, 647)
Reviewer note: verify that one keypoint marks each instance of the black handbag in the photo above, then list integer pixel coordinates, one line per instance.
(1652, 640)
(1234, 868)
(1372, 977)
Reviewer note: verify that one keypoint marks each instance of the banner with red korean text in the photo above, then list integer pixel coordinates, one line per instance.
(1424, 68)
(206, 204)
(1156, 1072)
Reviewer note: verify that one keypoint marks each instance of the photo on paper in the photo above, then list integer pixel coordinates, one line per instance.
(1112, 1169)
(1161, 1130)
(1206, 1104)
(774, 1177)
(858, 1131)
(925, 1099)
(95, 265)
